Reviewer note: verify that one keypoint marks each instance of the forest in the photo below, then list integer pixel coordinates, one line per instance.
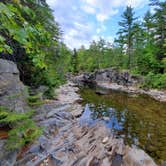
(31, 38)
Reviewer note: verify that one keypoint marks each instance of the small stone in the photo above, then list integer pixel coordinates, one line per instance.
(45, 161)
(106, 118)
(105, 140)
(34, 149)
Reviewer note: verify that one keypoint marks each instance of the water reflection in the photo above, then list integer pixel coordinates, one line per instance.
(140, 120)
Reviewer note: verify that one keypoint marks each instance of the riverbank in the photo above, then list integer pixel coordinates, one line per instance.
(154, 93)
(67, 142)
(113, 79)
(64, 141)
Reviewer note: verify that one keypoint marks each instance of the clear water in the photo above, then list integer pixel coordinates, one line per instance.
(140, 120)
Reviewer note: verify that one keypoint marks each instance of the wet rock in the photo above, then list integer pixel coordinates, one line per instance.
(8, 67)
(137, 157)
(117, 160)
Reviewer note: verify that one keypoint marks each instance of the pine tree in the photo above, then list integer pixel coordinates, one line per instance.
(159, 26)
(75, 61)
(127, 31)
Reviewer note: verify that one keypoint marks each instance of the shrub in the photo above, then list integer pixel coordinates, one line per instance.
(23, 129)
(155, 80)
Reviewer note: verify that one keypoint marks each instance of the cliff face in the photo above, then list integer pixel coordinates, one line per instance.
(13, 97)
(12, 91)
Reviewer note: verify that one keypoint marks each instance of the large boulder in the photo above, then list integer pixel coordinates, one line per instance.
(110, 75)
(113, 75)
(12, 91)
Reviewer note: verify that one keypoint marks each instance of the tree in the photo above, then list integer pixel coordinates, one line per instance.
(75, 61)
(159, 26)
(29, 36)
(148, 23)
(127, 31)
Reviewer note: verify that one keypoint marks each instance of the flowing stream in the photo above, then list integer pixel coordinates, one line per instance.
(139, 119)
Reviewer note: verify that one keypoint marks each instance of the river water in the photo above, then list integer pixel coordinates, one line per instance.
(139, 119)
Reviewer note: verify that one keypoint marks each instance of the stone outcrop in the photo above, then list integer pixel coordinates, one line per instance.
(12, 91)
(12, 96)
(112, 79)
(109, 75)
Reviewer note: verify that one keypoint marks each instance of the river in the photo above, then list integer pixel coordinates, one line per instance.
(139, 119)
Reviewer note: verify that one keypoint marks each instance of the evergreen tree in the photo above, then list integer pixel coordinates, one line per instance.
(127, 31)
(159, 26)
(75, 61)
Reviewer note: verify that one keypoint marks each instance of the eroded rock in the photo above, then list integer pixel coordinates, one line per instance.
(12, 91)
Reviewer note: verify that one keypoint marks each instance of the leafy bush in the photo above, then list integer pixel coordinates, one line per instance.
(23, 129)
(155, 80)
(30, 37)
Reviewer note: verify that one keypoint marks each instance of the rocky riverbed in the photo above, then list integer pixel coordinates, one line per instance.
(65, 141)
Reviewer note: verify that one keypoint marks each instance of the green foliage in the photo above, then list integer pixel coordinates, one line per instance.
(50, 93)
(139, 47)
(74, 61)
(15, 27)
(35, 100)
(23, 129)
(24, 133)
(30, 35)
(155, 80)
(127, 31)
(97, 56)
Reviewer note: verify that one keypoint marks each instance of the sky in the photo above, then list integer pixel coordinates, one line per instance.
(85, 20)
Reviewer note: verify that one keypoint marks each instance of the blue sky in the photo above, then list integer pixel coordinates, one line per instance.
(85, 20)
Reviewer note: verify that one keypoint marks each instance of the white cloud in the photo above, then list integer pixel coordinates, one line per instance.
(107, 8)
(89, 9)
(101, 28)
(84, 20)
(102, 17)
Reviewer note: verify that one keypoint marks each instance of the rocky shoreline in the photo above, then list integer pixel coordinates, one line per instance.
(112, 79)
(64, 141)
(154, 93)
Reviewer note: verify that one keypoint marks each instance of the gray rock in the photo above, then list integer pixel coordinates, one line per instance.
(12, 91)
(8, 67)
(110, 75)
(8, 158)
(58, 110)
(34, 149)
